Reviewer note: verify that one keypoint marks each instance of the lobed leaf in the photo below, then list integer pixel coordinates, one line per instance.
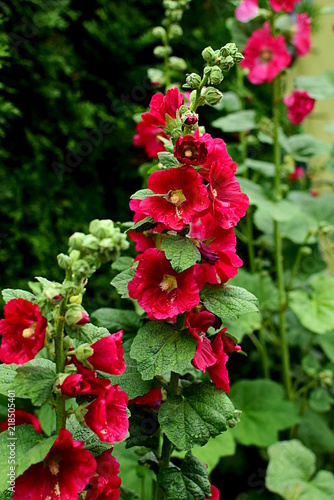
(227, 301)
(181, 252)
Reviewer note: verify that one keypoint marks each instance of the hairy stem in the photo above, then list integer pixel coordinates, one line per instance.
(60, 361)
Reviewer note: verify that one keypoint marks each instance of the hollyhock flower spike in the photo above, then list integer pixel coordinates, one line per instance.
(23, 331)
(283, 5)
(299, 105)
(160, 291)
(105, 484)
(65, 471)
(265, 56)
(247, 10)
(302, 35)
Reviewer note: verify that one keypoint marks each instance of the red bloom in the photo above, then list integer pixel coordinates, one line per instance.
(107, 415)
(64, 473)
(75, 384)
(218, 372)
(214, 493)
(148, 138)
(285, 5)
(22, 417)
(161, 291)
(85, 381)
(302, 35)
(108, 354)
(190, 151)
(265, 56)
(142, 241)
(198, 324)
(247, 10)
(23, 331)
(298, 173)
(152, 398)
(106, 482)
(299, 105)
(185, 197)
(229, 204)
(161, 106)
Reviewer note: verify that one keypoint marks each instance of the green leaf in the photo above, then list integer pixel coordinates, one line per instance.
(254, 191)
(315, 311)
(142, 225)
(181, 252)
(261, 285)
(200, 412)
(303, 146)
(168, 160)
(320, 400)
(291, 466)
(7, 375)
(231, 102)
(142, 194)
(47, 418)
(266, 168)
(30, 448)
(89, 333)
(9, 294)
(245, 325)
(318, 87)
(121, 281)
(160, 348)
(34, 380)
(236, 122)
(315, 432)
(319, 208)
(326, 342)
(264, 411)
(188, 483)
(116, 319)
(122, 263)
(228, 302)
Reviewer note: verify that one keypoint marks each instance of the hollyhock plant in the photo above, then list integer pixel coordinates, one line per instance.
(183, 197)
(65, 471)
(107, 415)
(108, 354)
(23, 331)
(161, 106)
(247, 10)
(105, 484)
(22, 417)
(283, 5)
(302, 35)
(161, 291)
(299, 105)
(74, 384)
(265, 56)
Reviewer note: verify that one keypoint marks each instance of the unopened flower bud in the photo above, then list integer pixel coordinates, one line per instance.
(216, 75)
(83, 352)
(208, 54)
(227, 63)
(64, 261)
(238, 57)
(90, 243)
(76, 299)
(174, 31)
(305, 250)
(75, 255)
(53, 292)
(103, 228)
(175, 15)
(75, 241)
(212, 95)
(76, 315)
(161, 52)
(193, 80)
(190, 119)
(177, 63)
(81, 269)
(159, 32)
(230, 49)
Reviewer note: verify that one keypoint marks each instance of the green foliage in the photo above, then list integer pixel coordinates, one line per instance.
(34, 380)
(116, 319)
(228, 302)
(9, 294)
(121, 281)
(236, 122)
(181, 252)
(318, 87)
(7, 375)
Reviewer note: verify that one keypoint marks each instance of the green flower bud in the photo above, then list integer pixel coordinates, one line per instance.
(64, 261)
(83, 352)
(53, 292)
(174, 31)
(238, 57)
(75, 255)
(90, 243)
(101, 228)
(81, 269)
(170, 4)
(208, 54)
(75, 241)
(76, 299)
(156, 76)
(175, 15)
(162, 52)
(193, 80)
(230, 49)
(177, 63)
(227, 63)
(76, 315)
(216, 75)
(159, 32)
(212, 95)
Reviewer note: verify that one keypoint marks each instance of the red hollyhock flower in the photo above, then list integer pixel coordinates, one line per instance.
(299, 105)
(108, 354)
(90, 383)
(23, 331)
(162, 292)
(218, 372)
(74, 384)
(64, 472)
(142, 241)
(247, 10)
(265, 56)
(22, 417)
(190, 151)
(229, 204)
(161, 106)
(302, 35)
(185, 197)
(297, 174)
(148, 138)
(152, 398)
(198, 324)
(107, 415)
(106, 482)
(214, 493)
(285, 5)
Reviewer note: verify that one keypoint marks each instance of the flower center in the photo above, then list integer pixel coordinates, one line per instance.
(29, 332)
(168, 283)
(176, 197)
(53, 465)
(266, 55)
(189, 152)
(214, 192)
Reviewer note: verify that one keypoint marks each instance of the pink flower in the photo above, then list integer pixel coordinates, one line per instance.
(148, 138)
(285, 5)
(74, 384)
(161, 106)
(184, 197)
(23, 331)
(22, 417)
(218, 372)
(107, 415)
(247, 10)
(106, 482)
(190, 151)
(162, 292)
(265, 56)
(108, 354)
(214, 493)
(302, 35)
(299, 105)
(299, 173)
(229, 204)
(198, 324)
(152, 398)
(64, 472)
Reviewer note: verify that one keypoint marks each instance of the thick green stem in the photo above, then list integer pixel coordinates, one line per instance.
(194, 104)
(60, 361)
(278, 244)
